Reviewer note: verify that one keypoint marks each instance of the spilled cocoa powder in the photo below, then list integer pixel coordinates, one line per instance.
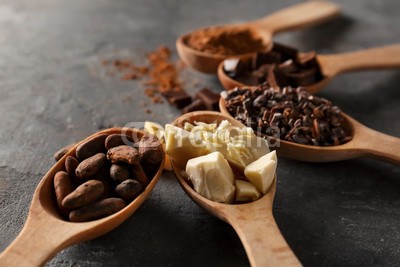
(161, 79)
(225, 41)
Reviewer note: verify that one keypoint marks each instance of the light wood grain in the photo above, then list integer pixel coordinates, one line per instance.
(365, 143)
(253, 222)
(294, 17)
(45, 233)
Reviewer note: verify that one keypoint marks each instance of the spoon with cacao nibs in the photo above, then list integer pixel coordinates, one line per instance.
(286, 66)
(83, 197)
(306, 127)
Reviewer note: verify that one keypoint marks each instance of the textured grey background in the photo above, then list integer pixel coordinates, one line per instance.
(333, 214)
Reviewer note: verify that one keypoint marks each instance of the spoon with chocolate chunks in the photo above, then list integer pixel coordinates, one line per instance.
(284, 66)
(253, 221)
(92, 189)
(205, 48)
(305, 127)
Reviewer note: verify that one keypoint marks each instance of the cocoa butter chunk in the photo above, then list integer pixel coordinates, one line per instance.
(209, 98)
(60, 153)
(97, 210)
(129, 189)
(115, 140)
(91, 147)
(150, 149)
(119, 172)
(90, 166)
(124, 154)
(84, 194)
(71, 164)
(63, 186)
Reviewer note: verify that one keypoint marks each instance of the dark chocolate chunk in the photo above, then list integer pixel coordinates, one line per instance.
(178, 99)
(197, 104)
(307, 59)
(209, 98)
(302, 78)
(288, 66)
(286, 52)
(262, 58)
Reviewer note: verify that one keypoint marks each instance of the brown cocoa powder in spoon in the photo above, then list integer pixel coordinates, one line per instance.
(223, 41)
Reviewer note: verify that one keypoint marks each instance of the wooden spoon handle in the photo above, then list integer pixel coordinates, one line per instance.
(378, 145)
(262, 240)
(384, 57)
(298, 16)
(37, 243)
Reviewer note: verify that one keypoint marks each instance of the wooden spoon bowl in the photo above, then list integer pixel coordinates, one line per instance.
(253, 222)
(295, 17)
(365, 142)
(45, 232)
(385, 57)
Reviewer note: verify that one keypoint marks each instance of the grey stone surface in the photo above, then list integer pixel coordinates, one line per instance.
(333, 214)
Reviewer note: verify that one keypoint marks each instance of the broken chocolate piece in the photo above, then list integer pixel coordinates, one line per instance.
(288, 66)
(305, 77)
(209, 98)
(283, 66)
(307, 59)
(178, 99)
(197, 104)
(262, 58)
(286, 52)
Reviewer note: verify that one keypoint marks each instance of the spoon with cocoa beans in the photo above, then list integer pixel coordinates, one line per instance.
(205, 48)
(305, 127)
(253, 221)
(92, 189)
(284, 66)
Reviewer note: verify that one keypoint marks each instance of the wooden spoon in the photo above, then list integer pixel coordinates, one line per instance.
(45, 232)
(384, 57)
(365, 142)
(253, 222)
(292, 18)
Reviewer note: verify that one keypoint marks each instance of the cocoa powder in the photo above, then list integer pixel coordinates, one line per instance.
(225, 41)
(162, 78)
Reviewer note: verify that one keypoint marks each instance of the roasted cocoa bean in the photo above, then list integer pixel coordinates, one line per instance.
(84, 194)
(115, 140)
(123, 154)
(119, 172)
(63, 186)
(60, 153)
(97, 210)
(140, 175)
(71, 164)
(129, 189)
(90, 166)
(150, 149)
(91, 147)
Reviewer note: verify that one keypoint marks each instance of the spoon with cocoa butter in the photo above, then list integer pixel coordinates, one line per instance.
(317, 131)
(205, 48)
(48, 228)
(252, 221)
(286, 66)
